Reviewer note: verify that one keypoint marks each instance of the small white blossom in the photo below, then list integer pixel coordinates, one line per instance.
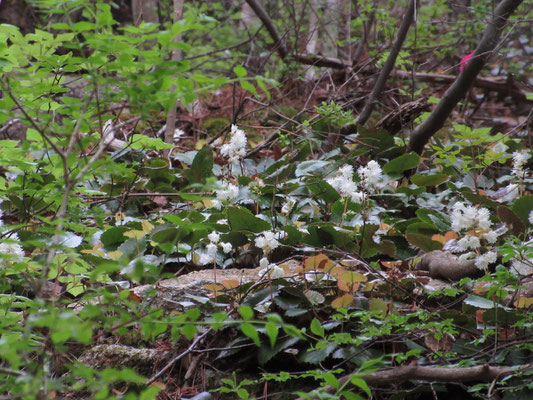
(228, 192)
(267, 242)
(466, 217)
(371, 175)
(483, 261)
(236, 148)
(214, 237)
(519, 161)
(468, 242)
(272, 271)
(466, 256)
(14, 251)
(530, 218)
(216, 204)
(226, 247)
(343, 182)
(211, 249)
(205, 259)
(490, 237)
(178, 133)
(483, 218)
(357, 197)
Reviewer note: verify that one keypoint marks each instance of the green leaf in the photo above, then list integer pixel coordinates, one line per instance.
(241, 219)
(316, 327)
(141, 142)
(522, 207)
(272, 332)
(331, 380)
(351, 395)
(402, 163)
(514, 223)
(202, 166)
(249, 87)
(114, 236)
(246, 312)
(240, 71)
(361, 384)
(249, 330)
(423, 242)
(429, 180)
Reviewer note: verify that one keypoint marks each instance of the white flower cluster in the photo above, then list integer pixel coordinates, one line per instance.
(211, 249)
(267, 242)
(467, 217)
(477, 222)
(228, 192)
(235, 150)
(272, 271)
(13, 252)
(371, 177)
(519, 161)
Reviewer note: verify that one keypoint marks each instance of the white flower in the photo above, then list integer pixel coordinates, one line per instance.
(205, 259)
(357, 197)
(483, 218)
(178, 133)
(211, 249)
(214, 237)
(226, 247)
(343, 182)
(272, 271)
(228, 192)
(288, 206)
(14, 251)
(216, 204)
(468, 242)
(267, 242)
(530, 218)
(519, 160)
(483, 261)
(490, 236)
(236, 148)
(371, 175)
(466, 256)
(466, 217)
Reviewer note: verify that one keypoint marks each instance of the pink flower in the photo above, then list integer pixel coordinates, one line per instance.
(464, 61)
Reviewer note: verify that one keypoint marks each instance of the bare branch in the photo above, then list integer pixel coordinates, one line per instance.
(462, 84)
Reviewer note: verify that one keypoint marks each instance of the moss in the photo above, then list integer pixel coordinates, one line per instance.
(213, 125)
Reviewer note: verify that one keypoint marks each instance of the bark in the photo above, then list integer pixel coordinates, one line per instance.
(389, 64)
(144, 10)
(421, 135)
(310, 47)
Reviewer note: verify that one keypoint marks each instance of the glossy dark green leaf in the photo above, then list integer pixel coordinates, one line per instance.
(241, 219)
(429, 180)
(402, 163)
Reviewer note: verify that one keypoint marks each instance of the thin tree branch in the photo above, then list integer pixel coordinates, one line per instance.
(483, 373)
(389, 64)
(464, 81)
(279, 44)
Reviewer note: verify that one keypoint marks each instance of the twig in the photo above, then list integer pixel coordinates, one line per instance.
(177, 358)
